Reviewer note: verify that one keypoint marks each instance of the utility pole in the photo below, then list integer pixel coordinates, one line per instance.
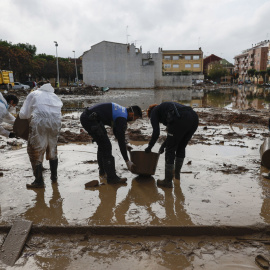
(58, 81)
(76, 80)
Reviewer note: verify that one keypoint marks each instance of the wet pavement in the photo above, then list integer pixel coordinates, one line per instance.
(221, 184)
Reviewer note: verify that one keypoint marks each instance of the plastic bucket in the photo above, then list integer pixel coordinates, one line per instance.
(21, 128)
(146, 163)
(265, 153)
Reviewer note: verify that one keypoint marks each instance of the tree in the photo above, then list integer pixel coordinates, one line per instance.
(27, 47)
(22, 60)
(257, 75)
(251, 72)
(268, 72)
(185, 72)
(217, 71)
(262, 73)
(235, 76)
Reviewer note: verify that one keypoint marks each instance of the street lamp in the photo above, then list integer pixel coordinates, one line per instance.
(58, 82)
(75, 67)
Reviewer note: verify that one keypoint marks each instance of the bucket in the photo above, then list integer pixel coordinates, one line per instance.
(21, 128)
(146, 163)
(265, 153)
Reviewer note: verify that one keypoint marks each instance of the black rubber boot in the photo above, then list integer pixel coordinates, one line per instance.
(102, 173)
(39, 182)
(167, 182)
(53, 168)
(112, 178)
(177, 167)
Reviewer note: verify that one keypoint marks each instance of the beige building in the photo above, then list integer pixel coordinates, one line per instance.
(175, 62)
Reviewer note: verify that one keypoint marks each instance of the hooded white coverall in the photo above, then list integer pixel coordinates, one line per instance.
(5, 116)
(43, 110)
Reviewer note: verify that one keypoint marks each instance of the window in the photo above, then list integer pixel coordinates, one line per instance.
(187, 65)
(187, 57)
(175, 57)
(167, 57)
(196, 57)
(196, 65)
(167, 65)
(176, 66)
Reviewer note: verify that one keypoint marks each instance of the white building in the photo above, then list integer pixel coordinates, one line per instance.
(119, 65)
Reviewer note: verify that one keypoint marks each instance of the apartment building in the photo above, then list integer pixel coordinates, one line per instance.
(175, 62)
(257, 57)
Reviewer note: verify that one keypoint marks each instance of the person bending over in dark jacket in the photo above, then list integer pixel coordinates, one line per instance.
(181, 122)
(93, 120)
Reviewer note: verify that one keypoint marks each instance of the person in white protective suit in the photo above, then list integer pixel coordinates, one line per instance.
(5, 115)
(42, 108)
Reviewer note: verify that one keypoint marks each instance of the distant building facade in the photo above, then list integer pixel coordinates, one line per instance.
(177, 61)
(118, 65)
(256, 57)
(208, 61)
(230, 69)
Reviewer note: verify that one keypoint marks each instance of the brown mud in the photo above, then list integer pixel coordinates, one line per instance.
(221, 185)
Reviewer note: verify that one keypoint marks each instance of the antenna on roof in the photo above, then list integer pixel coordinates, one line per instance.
(127, 34)
(135, 41)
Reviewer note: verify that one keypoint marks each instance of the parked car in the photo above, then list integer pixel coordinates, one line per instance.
(18, 85)
(30, 83)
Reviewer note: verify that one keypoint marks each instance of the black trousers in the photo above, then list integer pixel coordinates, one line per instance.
(97, 131)
(180, 131)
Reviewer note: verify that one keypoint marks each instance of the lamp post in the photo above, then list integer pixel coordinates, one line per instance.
(9, 58)
(75, 68)
(58, 82)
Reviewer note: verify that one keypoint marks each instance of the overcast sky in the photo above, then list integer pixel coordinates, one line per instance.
(221, 27)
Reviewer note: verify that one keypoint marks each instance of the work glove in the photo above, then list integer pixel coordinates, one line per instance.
(161, 149)
(130, 164)
(12, 135)
(148, 149)
(129, 148)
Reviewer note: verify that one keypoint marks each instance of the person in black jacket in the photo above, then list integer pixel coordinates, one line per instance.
(182, 122)
(93, 120)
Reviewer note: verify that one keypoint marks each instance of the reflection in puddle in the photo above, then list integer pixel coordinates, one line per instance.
(232, 98)
(220, 183)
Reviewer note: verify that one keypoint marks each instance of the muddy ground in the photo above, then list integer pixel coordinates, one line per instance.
(221, 185)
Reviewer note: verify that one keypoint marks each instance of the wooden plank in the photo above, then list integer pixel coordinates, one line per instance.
(14, 243)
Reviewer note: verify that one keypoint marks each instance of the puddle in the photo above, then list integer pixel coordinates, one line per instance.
(240, 98)
(131, 252)
(221, 184)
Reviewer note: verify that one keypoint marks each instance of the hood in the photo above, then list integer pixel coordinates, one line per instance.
(3, 101)
(47, 87)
